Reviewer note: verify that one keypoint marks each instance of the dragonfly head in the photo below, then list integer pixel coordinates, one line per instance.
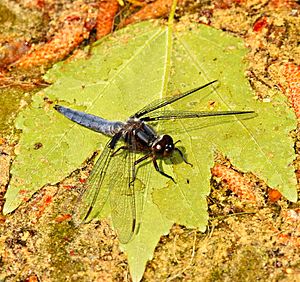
(163, 146)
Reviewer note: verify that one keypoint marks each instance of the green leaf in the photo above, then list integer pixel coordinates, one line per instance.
(126, 72)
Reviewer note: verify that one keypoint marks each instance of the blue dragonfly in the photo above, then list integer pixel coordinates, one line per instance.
(114, 176)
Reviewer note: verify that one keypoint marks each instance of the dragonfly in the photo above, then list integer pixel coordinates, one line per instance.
(114, 175)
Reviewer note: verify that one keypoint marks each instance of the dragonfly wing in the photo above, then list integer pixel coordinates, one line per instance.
(111, 180)
(169, 115)
(159, 103)
(204, 119)
(122, 199)
(95, 192)
(126, 199)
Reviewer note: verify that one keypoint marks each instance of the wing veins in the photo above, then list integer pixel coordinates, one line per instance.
(169, 115)
(123, 205)
(96, 178)
(157, 104)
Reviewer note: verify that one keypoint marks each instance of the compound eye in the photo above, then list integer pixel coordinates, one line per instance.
(164, 146)
(169, 148)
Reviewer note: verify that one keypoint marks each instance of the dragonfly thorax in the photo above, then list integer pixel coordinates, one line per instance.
(142, 137)
(163, 146)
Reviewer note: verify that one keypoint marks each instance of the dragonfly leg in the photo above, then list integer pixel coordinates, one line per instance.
(160, 171)
(113, 142)
(119, 149)
(135, 163)
(183, 157)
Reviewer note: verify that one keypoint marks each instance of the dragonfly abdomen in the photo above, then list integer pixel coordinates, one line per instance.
(92, 122)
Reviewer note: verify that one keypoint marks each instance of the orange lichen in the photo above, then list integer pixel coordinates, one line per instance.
(43, 204)
(48, 200)
(69, 187)
(157, 9)
(63, 217)
(282, 3)
(2, 141)
(105, 20)
(82, 180)
(235, 182)
(260, 24)
(274, 195)
(291, 86)
(32, 278)
(75, 27)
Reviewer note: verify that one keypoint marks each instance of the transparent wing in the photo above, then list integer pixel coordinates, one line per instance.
(111, 180)
(122, 199)
(168, 115)
(159, 103)
(126, 199)
(179, 126)
(94, 194)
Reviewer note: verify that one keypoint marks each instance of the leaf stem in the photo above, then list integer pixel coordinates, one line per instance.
(172, 13)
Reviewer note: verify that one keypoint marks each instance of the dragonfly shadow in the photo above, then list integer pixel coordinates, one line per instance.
(176, 159)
